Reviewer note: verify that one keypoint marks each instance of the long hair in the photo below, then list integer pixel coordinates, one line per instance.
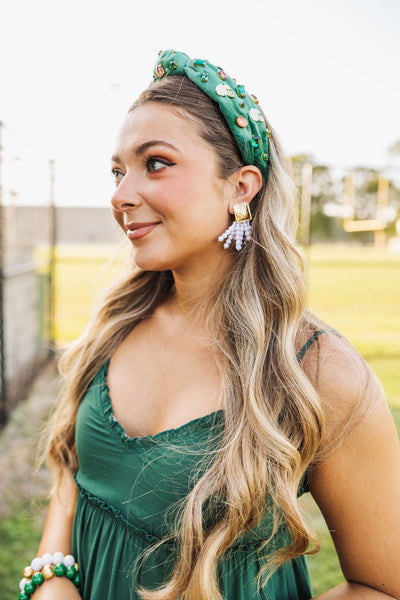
(274, 420)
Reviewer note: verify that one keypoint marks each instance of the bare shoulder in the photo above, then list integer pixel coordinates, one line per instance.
(349, 391)
(355, 479)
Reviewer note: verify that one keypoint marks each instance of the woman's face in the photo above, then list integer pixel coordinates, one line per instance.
(169, 199)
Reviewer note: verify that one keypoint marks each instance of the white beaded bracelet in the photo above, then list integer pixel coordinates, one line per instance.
(45, 568)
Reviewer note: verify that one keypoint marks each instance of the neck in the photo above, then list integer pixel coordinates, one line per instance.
(194, 288)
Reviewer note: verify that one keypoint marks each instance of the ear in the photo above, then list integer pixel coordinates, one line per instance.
(246, 183)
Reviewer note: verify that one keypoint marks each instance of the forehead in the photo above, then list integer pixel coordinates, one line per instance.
(152, 121)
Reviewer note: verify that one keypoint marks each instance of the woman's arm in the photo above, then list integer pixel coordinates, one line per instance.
(57, 537)
(355, 591)
(357, 487)
(57, 533)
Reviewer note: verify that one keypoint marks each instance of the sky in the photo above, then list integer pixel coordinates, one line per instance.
(326, 73)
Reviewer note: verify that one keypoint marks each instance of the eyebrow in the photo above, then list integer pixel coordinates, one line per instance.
(142, 148)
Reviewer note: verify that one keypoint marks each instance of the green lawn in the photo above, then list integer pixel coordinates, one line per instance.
(356, 290)
(19, 538)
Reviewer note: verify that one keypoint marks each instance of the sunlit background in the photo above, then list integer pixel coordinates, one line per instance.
(326, 73)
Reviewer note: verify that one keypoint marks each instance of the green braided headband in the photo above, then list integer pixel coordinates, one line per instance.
(238, 107)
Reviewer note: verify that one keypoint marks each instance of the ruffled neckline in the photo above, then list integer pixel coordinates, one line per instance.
(205, 422)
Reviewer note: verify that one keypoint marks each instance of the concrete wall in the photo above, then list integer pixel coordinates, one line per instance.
(27, 226)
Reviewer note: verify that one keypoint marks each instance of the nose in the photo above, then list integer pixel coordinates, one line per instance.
(126, 195)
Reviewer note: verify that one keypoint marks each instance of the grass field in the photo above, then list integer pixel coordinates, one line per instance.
(356, 290)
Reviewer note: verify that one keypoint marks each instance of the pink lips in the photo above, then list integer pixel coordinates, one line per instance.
(138, 230)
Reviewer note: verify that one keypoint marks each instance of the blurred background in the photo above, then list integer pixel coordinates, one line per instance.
(326, 74)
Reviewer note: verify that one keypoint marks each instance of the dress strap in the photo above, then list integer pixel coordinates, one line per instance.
(310, 341)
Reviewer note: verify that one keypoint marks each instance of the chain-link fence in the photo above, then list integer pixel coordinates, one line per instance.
(26, 267)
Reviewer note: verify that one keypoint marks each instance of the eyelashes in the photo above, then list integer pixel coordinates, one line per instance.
(151, 163)
(117, 175)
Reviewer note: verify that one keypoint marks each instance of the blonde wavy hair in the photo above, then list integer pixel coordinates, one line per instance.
(257, 319)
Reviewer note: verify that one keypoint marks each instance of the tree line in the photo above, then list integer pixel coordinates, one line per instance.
(329, 203)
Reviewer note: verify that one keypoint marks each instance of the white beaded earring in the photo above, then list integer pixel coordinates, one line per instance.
(240, 228)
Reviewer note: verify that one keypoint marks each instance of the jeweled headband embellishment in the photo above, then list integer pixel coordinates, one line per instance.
(242, 122)
(221, 89)
(222, 75)
(256, 115)
(224, 90)
(254, 98)
(160, 71)
(239, 108)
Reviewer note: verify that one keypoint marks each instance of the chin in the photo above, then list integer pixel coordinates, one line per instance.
(150, 263)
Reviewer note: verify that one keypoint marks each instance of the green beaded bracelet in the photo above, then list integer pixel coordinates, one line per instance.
(37, 573)
(59, 570)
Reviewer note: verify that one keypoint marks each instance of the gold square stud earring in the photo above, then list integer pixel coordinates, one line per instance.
(240, 229)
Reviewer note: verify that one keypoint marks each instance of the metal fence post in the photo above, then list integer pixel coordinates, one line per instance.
(3, 387)
(52, 257)
(305, 215)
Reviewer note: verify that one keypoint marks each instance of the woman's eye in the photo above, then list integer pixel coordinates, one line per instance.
(117, 175)
(155, 164)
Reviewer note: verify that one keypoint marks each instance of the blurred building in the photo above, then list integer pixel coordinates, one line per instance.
(29, 226)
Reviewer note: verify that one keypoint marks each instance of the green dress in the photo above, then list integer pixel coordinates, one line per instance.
(128, 493)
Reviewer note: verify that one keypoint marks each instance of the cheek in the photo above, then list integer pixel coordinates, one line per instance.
(171, 201)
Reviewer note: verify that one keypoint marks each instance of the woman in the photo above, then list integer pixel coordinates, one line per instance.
(204, 400)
